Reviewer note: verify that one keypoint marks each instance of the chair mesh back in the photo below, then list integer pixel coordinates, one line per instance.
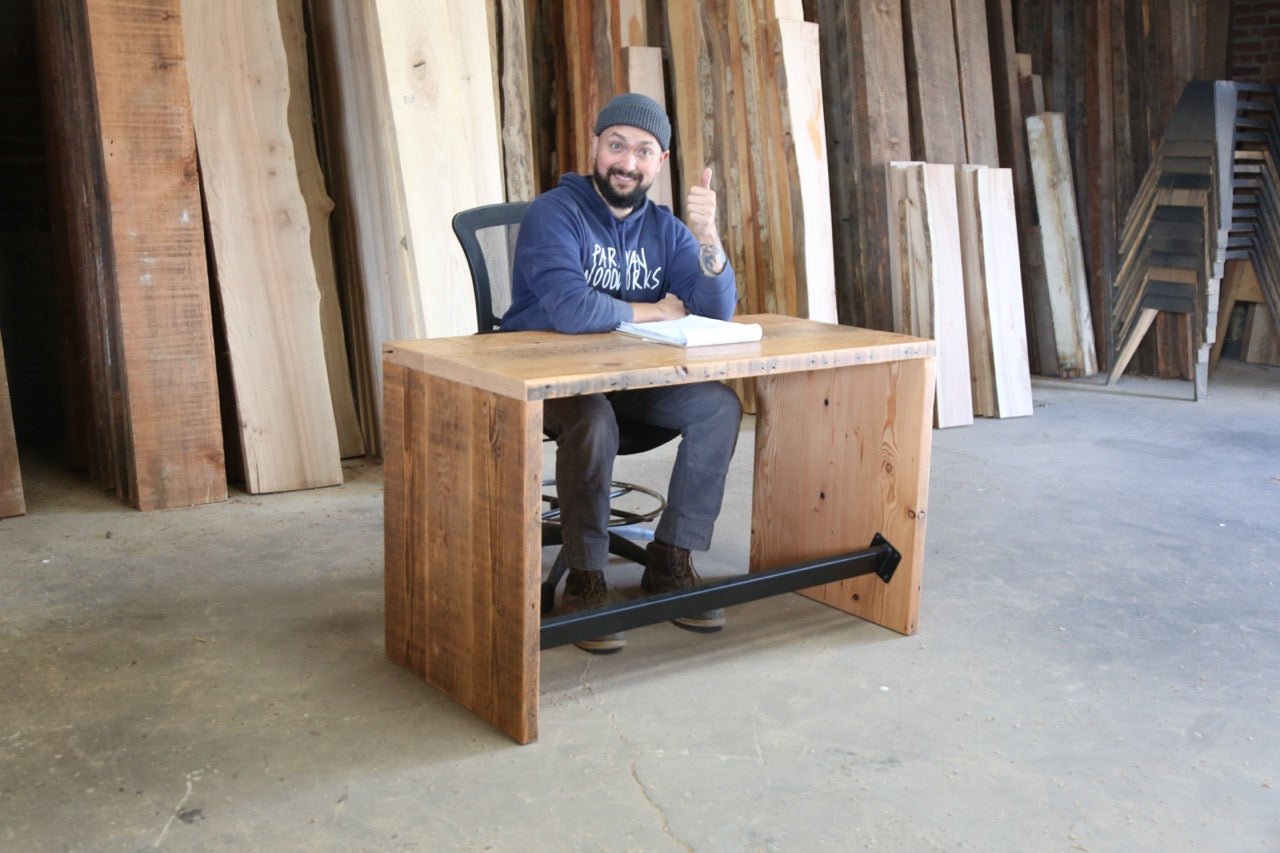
(488, 238)
(498, 244)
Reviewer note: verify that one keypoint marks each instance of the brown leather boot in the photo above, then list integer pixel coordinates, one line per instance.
(670, 568)
(585, 590)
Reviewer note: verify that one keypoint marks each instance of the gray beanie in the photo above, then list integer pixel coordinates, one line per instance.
(636, 110)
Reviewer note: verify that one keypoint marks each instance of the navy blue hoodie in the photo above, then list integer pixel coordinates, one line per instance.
(577, 265)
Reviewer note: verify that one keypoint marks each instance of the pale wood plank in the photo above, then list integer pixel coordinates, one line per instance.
(1063, 253)
(644, 74)
(954, 394)
(12, 501)
(462, 608)
(169, 432)
(805, 143)
(819, 497)
(440, 90)
(319, 206)
(633, 22)
(929, 275)
(262, 243)
(543, 365)
(993, 293)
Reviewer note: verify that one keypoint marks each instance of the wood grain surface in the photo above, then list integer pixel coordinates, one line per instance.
(262, 245)
(462, 605)
(543, 365)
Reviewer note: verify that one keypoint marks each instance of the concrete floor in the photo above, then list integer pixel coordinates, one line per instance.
(1097, 668)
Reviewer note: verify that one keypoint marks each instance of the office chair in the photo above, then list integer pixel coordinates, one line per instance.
(488, 237)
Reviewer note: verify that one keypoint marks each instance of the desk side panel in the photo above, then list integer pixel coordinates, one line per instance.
(462, 603)
(840, 456)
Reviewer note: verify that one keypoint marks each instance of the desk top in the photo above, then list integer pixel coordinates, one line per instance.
(544, 365)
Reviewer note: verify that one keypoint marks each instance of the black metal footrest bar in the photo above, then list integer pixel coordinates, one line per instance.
(880, 558)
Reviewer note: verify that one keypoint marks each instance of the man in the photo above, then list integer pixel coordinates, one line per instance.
(595, 252)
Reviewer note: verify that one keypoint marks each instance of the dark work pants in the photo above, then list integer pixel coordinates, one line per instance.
(707, 415)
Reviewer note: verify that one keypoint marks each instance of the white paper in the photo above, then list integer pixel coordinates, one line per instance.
(694, 331)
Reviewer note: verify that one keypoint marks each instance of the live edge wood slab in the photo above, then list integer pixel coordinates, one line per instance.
(843, 437)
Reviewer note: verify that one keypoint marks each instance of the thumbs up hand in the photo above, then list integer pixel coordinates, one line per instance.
(700, 210)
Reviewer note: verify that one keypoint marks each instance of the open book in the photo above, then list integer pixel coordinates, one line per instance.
(694, 331)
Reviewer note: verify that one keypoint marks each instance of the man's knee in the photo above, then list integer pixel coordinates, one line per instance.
(588, 425)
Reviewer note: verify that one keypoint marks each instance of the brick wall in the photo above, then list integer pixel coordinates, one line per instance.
(1255, 40)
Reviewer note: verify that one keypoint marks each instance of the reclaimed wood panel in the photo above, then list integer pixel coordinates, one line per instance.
(262, 246)
(12, 502)
(977, 92)
(138, 240)
(933, 82)
(566, 365)
(814, 499)
(467, 462)
(1063, 252)
(80, 225)
(866, 108)
(1260, 344)
(993, 293)
(311, 180)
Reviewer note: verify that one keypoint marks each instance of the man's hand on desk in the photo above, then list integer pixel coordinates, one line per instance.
(669, 307)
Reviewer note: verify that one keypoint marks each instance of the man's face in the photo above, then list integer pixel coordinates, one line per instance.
(627, 160)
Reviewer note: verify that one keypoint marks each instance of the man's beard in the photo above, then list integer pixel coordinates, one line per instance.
(613, 198)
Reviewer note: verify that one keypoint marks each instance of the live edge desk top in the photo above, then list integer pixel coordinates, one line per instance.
(843, 431)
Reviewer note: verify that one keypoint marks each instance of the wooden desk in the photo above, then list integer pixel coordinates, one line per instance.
(843, 432)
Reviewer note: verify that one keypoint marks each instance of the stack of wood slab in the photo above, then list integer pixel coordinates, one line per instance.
(955, 266)
(1254, 240)
(261, 246)
(747, 101)
(1183, 226)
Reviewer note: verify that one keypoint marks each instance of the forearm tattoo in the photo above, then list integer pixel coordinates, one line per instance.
(711, 259)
